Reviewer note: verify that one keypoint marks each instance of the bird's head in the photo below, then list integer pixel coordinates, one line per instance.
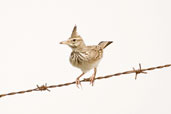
(75, 41)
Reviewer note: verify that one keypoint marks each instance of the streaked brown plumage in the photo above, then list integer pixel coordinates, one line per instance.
(85, 57)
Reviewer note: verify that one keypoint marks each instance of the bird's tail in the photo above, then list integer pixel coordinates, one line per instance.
(104, 44)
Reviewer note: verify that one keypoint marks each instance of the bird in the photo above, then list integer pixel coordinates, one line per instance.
(84, 57)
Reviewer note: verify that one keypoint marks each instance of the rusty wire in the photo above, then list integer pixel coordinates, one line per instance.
(45, 87)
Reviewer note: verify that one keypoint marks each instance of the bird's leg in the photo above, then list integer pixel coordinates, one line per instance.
(78, 80)
(93, 77)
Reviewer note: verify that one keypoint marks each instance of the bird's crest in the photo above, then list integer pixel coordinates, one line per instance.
(74, 33)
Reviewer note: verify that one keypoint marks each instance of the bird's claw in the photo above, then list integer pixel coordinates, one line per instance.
(92, 80)
(78, 83)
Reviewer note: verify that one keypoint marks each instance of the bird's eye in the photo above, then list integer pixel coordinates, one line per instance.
(74, 40)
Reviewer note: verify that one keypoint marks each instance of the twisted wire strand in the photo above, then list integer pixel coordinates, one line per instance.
(45, 87)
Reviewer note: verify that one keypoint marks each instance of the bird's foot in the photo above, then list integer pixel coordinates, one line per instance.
(78, 82)
(92, 78)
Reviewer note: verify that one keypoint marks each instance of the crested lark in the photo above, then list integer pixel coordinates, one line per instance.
(85, 57)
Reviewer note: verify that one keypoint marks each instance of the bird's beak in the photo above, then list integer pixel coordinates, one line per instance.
(64, 42)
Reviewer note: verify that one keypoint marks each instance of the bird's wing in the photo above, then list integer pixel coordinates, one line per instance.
(93, 53)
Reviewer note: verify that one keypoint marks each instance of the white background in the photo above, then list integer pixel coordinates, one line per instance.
(30, 54)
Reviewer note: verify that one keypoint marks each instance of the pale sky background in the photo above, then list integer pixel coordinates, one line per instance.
(30, 54)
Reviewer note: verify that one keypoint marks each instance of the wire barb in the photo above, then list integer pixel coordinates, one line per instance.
(45, 87)
(42, 88)
(138, 71)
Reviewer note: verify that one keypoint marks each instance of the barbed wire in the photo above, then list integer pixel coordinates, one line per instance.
(46, 88)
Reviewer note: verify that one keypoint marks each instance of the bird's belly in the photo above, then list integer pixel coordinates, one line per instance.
(88, 66)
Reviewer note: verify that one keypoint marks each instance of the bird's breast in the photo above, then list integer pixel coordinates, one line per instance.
(77, 58)
(82, 61)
